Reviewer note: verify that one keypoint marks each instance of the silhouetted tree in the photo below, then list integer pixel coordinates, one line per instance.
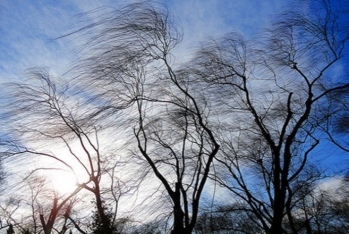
(98, 225)
(235, 218)
(131, 55)
(269, 94)
(44, 112)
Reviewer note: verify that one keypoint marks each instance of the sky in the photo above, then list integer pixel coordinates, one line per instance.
(28, 28)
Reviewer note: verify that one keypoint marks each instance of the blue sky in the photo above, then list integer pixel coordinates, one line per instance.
(28, 27)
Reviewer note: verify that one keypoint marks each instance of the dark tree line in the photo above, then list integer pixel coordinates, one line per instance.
(242, 115)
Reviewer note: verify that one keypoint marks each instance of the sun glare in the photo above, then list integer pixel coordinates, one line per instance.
(63, 182)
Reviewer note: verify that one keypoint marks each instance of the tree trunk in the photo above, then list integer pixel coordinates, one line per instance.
(178, 226)
(47, 226)
(107, 229)
(276, 226)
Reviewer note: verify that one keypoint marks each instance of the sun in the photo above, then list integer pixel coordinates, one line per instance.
(63, 182)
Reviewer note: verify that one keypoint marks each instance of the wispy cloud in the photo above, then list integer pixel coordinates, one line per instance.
(28, 27)
(202, 19)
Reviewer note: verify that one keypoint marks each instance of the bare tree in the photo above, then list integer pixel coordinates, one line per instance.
(269, 95)
(324, 210)
(129, 69)
(336, 117)
(34, 213)
(51, 125)
(233, 217)
(7, 209)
